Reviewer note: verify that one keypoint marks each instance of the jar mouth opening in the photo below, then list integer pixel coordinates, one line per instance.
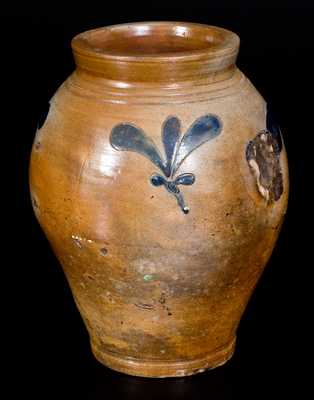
(155, 40)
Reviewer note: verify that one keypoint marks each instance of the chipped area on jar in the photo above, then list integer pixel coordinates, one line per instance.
(81, 239)
(145, 306)
(35, 204)
(81, 242)
(263, 157)
(181, 372)
(126, 137)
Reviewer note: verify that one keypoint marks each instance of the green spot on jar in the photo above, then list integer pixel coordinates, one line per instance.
(148, 278)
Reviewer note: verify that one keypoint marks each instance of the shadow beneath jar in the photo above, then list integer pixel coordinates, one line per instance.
(215, 384)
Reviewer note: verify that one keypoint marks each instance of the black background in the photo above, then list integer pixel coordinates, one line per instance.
(50, 355)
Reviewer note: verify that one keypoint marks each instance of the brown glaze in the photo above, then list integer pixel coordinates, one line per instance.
(161, 291)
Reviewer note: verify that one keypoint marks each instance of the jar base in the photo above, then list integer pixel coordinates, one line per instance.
(164, 369)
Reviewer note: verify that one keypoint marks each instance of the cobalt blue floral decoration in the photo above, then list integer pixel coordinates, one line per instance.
(128, 137)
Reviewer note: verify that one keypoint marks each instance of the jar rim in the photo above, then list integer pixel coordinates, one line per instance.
(176, 40)
(156, 51)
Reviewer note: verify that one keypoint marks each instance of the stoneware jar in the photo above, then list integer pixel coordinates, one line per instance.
(161, 182)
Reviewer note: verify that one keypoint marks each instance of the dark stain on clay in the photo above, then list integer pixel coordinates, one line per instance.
(275, 228)
(37, 145)
(103, 251)
(162, 301)
(262, 154)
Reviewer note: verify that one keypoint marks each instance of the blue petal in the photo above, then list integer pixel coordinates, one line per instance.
(203, 129)
(185, 179)
(170, 137)
(157, 180)
(130, 138)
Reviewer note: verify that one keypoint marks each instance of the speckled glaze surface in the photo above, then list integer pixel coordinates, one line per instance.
(161, 182)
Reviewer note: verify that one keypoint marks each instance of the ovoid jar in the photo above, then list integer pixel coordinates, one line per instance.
(161, 182)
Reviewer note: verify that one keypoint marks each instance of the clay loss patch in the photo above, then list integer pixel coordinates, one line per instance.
(262, 154)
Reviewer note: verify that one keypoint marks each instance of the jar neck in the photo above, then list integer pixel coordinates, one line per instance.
(157, 53)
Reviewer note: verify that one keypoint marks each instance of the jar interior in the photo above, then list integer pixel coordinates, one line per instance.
(153, 39)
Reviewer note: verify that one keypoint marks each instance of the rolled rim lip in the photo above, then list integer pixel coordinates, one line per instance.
(229, 45)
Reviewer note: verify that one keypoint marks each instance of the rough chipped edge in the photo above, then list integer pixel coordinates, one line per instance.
(255, 168)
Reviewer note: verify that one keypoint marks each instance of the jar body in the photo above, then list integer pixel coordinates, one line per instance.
(161, 291)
